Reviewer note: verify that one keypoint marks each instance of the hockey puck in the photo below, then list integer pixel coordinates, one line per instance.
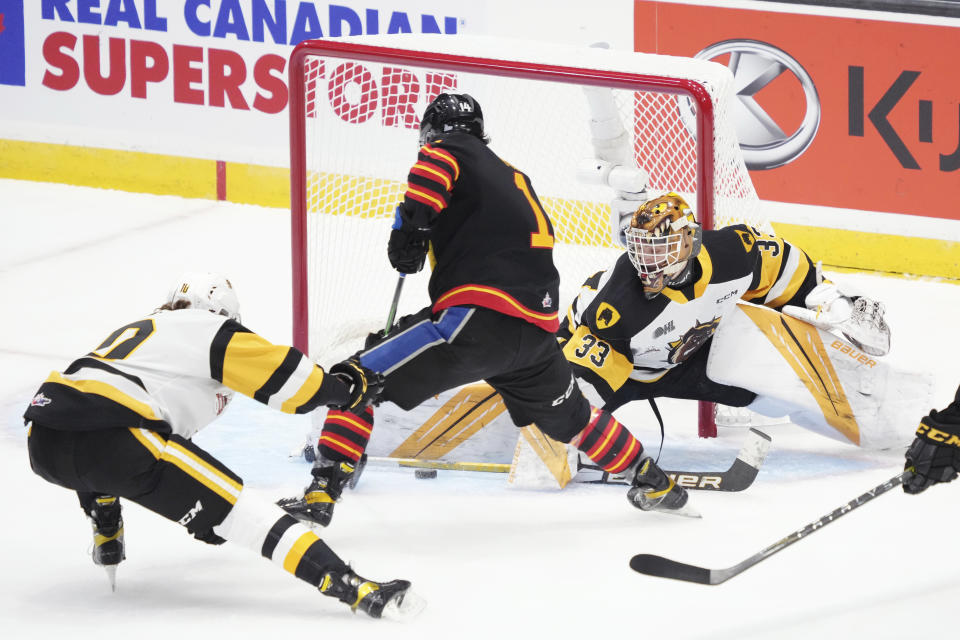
(424, 474)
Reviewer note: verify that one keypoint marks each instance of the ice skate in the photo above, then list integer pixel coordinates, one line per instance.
(108, 549)
(320, 496)
(392, 600)
(654, 490)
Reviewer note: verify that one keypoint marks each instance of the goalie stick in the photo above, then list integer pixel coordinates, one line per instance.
(653, 565)
(738, 477)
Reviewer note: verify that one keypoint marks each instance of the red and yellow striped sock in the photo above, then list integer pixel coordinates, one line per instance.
(345, 434)
(607, 442)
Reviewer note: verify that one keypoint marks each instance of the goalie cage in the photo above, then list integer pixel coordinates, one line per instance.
(355, 109)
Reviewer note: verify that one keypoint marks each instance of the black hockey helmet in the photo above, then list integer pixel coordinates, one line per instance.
(451, 112)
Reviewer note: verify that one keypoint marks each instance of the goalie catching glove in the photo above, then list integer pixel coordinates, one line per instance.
(934, 455)
(859, 319)
(408, 244)
(364, 385)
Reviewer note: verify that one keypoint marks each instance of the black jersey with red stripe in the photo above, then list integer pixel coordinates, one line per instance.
(491, 243)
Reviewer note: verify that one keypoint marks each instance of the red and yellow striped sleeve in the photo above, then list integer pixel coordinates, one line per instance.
(431, 179)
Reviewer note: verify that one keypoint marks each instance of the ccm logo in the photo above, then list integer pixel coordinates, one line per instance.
(938, 436)
(859, 356)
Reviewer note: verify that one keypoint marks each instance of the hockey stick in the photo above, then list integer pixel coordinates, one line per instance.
(395, 303)
(738, 477)
(488, 467)
(653, 565)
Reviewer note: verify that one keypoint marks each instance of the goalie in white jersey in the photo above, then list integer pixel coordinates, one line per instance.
(117, 423)
(650, 336)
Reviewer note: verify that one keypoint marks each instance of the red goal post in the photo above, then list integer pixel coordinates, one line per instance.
(354, 114)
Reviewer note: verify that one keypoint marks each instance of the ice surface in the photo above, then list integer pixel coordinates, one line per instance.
(490, 561)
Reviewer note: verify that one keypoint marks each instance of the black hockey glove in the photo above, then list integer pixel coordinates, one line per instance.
(934, 455)
(374, 338)
(364, 385)
(408, 245)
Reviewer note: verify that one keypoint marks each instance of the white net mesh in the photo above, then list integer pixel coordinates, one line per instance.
(360, 130)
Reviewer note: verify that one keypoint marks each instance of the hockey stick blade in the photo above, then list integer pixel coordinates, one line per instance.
(660, 567)
(738, 477)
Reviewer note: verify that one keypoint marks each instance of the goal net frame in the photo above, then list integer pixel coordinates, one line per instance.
(703, 116)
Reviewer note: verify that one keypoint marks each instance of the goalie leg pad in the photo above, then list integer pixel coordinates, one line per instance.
(822, 382)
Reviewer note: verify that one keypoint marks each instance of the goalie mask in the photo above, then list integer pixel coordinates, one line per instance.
(662, 238)
(451, 112)
(210, 291)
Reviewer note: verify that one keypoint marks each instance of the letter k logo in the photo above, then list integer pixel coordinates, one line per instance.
(878, 114)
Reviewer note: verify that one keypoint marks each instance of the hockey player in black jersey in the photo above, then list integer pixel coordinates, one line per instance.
(117, 423)
(649, 336)
(934, 454)
(494, 293)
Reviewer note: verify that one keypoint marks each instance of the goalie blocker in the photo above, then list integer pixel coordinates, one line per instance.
(822, 382)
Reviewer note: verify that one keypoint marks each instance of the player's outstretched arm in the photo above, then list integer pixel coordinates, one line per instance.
(860, 319)
(283, 377)
(934, 455)
(785, 278)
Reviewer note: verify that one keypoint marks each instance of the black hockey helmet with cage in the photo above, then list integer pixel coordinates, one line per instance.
(451, 112)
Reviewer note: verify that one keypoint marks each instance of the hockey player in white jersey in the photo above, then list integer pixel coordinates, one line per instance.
(117, 423)
(651, 336)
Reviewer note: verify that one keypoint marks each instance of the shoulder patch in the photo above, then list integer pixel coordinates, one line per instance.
(607, 316)
(593, 281)
(747, 239)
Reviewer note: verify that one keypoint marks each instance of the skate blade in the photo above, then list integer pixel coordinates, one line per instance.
(405, 607)
(686, 511)
(111, 570)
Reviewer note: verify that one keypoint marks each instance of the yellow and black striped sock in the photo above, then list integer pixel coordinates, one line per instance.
(300, 551)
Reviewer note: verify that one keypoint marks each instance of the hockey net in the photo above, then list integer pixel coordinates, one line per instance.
(355, 109)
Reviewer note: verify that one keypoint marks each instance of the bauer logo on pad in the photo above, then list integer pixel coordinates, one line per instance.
(12, 62)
